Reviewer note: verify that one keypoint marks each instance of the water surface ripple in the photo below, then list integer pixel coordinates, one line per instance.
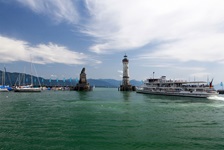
(108, 119)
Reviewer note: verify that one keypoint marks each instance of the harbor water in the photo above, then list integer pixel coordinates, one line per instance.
(106, 119)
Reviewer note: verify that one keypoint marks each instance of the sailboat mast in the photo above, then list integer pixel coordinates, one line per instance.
(31, 74)
(4, 76)
(23, 76)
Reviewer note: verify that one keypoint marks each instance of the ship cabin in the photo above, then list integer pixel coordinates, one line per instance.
(177, 85)
(162, 82)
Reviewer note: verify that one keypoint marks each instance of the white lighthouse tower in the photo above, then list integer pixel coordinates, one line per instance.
(126, 86)
(125, 71)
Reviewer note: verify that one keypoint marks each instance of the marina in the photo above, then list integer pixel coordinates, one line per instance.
(156, 86)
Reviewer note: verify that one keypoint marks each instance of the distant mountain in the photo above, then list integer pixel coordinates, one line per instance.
(21, 78)
(104, 82)
(136, 83)
(110, 82)
(16, 78)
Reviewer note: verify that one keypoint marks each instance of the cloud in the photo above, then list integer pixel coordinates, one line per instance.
(53, 53)
(17, 50)
(58, 10)
(203, 47)
(183, 30)
(186, 30)
(9, 46)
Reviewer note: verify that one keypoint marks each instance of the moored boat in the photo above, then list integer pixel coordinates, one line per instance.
(3, 89)
(27, 88)
(162, 86)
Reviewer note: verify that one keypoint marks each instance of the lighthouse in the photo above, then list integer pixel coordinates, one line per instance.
(126, 86)
(125, 70)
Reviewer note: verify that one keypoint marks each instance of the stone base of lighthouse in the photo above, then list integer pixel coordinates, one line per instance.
(127, 88)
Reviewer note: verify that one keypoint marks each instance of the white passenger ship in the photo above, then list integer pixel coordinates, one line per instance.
(162, 86)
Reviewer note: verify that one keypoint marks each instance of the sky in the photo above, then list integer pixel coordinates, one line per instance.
(178, 39)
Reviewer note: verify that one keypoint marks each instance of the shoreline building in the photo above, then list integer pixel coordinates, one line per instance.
(83, 85)
(126, 86)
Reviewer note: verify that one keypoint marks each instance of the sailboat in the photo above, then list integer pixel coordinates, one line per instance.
(27, 88)
(3, 87)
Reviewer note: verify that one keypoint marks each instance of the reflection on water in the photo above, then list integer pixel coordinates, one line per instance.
(82, 95)
(126, 95)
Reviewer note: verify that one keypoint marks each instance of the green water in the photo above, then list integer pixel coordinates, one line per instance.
(107, 119)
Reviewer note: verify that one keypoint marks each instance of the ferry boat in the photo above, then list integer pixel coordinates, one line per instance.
(162, 86)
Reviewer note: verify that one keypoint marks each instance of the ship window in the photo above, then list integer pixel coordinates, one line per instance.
(199, 90)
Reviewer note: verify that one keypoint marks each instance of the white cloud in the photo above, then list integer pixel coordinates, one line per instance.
(198, 48)
(53, 53)
(58, 10)
(12, 50)
(186, 29)
(17, 50)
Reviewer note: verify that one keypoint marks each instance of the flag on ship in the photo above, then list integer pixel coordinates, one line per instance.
(210, 84)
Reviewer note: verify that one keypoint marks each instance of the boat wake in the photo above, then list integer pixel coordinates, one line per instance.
(219, 98)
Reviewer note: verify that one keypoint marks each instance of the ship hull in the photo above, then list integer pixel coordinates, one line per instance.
(27, 90)
(196, 95)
